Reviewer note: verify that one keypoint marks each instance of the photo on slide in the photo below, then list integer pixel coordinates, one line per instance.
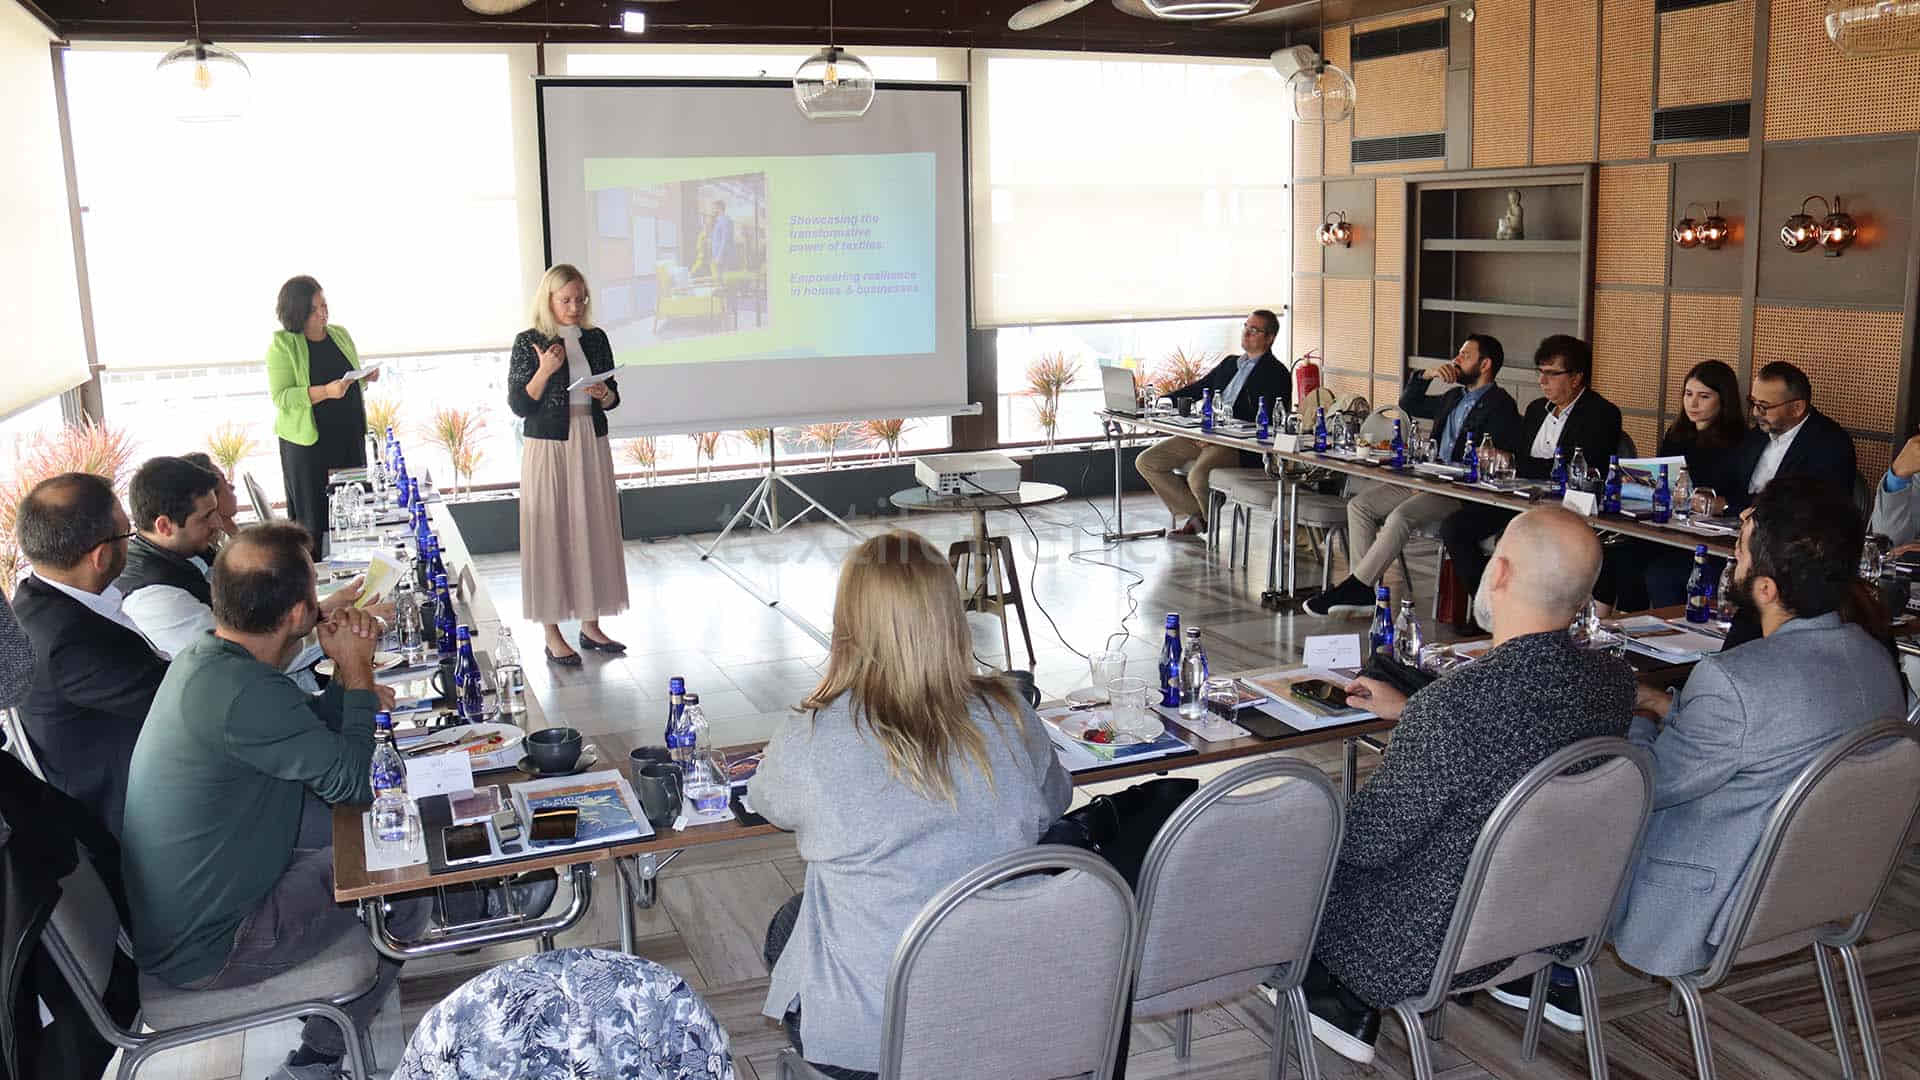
(680, 260)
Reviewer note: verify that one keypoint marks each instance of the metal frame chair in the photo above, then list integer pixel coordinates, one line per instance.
(1481, 872)
(1825, 917)
(1296, 925)
(926, 926)
(262, 506)
(87, 911)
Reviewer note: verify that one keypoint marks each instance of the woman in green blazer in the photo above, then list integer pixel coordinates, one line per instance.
(322, 419)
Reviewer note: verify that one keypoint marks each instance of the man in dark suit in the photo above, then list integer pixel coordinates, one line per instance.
(94, 674)
(1238, 383)
(1790, 437)
(1381, 516)
(1568, 416)
(1461, 745)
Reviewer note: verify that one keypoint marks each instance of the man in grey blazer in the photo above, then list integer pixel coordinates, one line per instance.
(1751, 718)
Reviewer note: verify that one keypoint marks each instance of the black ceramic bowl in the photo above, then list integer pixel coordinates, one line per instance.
(554, 749)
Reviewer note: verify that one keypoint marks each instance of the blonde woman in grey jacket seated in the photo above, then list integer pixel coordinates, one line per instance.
(899, 773)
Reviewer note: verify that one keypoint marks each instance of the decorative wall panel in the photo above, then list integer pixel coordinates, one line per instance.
(1401, 95)
(1389, 334)
(1566, 42)
(1395, 168)
(1626, 79)
(1390, 227)
(1814, 92)
(1307, 159)
(1851, 357)
(1631, 224)
(1502, 73)
(1339, 145)
(1626, 347)
(1306, 321)
(1702, 149)
(1643, 430)
(1349, 326)
(1308, 208)
(1405, 18)
(1706, 54)
(1700, 326)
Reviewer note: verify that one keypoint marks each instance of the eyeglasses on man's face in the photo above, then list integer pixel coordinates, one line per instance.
(1550, 373)
(1765, 407)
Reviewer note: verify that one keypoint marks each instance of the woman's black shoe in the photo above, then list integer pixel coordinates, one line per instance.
(607, 646)
(569, 660)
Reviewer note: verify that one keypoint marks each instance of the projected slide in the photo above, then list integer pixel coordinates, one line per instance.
(695, 260)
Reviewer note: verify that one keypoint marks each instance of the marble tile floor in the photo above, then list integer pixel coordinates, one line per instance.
(750, 663)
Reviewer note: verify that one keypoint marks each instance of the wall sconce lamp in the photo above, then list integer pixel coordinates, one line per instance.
(1709, 231)
(1833, 234)
(1335, 230)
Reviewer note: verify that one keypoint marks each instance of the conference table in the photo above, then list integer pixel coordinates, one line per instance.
(1121, 426)
(636, 863)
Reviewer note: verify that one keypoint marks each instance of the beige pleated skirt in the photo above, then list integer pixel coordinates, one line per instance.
(571, 561)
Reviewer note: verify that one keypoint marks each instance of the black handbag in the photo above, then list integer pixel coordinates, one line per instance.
(1407, 680)
(1120, 827)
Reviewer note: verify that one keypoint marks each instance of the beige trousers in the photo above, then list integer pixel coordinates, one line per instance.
(1185, 497)
(1380, 518)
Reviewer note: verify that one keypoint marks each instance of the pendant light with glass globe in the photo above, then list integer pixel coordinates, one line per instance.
(1322, 93)
(200, 82)
(833, 84)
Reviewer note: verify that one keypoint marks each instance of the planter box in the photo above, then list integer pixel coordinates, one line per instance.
(491, 524)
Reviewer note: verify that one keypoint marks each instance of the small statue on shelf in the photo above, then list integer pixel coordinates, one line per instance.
(1512, 224)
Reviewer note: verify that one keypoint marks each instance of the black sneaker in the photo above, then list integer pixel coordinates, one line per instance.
(1344, 1023)
(1350, 597)
(1563, 1001)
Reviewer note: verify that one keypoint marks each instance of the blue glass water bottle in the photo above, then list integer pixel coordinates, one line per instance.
(1380, 635)
(1263, 420)
(1662, 499)
(1170, 663)
(439, 565)
(1559, 472)
(1471, 459)
(679, 736)
(469, 694)
(443, 624)
(1399, 447)
(1610, 495)
(1206, 410)
(402, 491)
(1320, 430)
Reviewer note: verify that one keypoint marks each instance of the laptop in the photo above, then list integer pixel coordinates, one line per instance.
(1117, 384)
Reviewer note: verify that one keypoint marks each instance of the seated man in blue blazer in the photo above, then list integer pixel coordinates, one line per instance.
(1751, 718)
(1238, 383)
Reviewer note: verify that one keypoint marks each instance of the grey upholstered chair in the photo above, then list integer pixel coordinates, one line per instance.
(1004, 979)
(257, 495)
(1231, 894)
(83, 934)
(1549, 868)
(1241, 492)
(1833, 841)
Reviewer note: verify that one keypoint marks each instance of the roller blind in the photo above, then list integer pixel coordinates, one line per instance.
(748, 61)
(39, 294)
(389, 173)
(1120, 188)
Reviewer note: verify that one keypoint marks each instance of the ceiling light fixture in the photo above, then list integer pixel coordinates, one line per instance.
(833, 84)
(203, 82)
(633, 22)
(1201, 9)
(1874, 29)
(1322, 94)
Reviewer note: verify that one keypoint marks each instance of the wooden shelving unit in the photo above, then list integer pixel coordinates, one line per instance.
(1465, 281)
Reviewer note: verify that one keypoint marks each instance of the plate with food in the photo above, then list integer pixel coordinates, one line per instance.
(488, 746)
(382, 661)
(1095, 726)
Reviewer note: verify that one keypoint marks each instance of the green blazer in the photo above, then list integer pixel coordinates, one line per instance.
(287, 382)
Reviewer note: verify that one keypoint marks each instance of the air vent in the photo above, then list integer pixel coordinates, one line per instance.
(1415, 37)
(1399, 148)
(1696, 123)
(1682, 5)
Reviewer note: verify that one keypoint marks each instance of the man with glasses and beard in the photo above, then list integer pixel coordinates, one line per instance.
(1790, 437)
(1751, 719)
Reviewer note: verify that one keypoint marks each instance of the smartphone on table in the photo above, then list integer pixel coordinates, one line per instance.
(1320, 692)
(464, 843)
(556, 825)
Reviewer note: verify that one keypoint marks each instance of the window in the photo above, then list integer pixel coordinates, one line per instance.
(1175, 349)
(753, 61)
(1110, 188)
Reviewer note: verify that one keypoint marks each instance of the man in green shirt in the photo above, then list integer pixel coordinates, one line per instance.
(227, 885)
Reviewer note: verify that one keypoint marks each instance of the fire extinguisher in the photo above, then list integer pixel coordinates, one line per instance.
(1306, 375)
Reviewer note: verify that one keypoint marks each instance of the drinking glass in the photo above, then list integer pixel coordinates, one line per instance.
(1151, 395)
(1107, 665)
(406, 824)
(1586, 625)
(1579, 475)
(1682, 489)
(707, 787)
(1127, 708)
(1703, 500)
(1725, 607)
(1221, 699)
(1430, 450)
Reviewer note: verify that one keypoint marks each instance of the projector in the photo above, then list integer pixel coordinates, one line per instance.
(967, 474)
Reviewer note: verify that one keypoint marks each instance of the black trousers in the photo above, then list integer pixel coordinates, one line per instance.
(1462, 532)
(304, 471)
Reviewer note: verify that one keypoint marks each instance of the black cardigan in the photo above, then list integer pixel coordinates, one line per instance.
(547, 418)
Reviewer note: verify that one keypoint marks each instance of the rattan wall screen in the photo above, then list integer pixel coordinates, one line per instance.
(1631, 224)
(1389, 332)
(1566, 48)
(1644, 431)
(1403, 19)
(1395, 168)
(1401, 95)
(1390, 227)
(1814, 92)
(1502, 74)
(1626, 349)
(1306, 149)
(1626, 79)
(1385, 391)
(1706, 54)
(1701, 149)
(1851, 357)
(1339, 146)
(1306, 320)
(1349, 326)
(1347, 383)
(1872, 457)
(1308, 209)
(1700, 326)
